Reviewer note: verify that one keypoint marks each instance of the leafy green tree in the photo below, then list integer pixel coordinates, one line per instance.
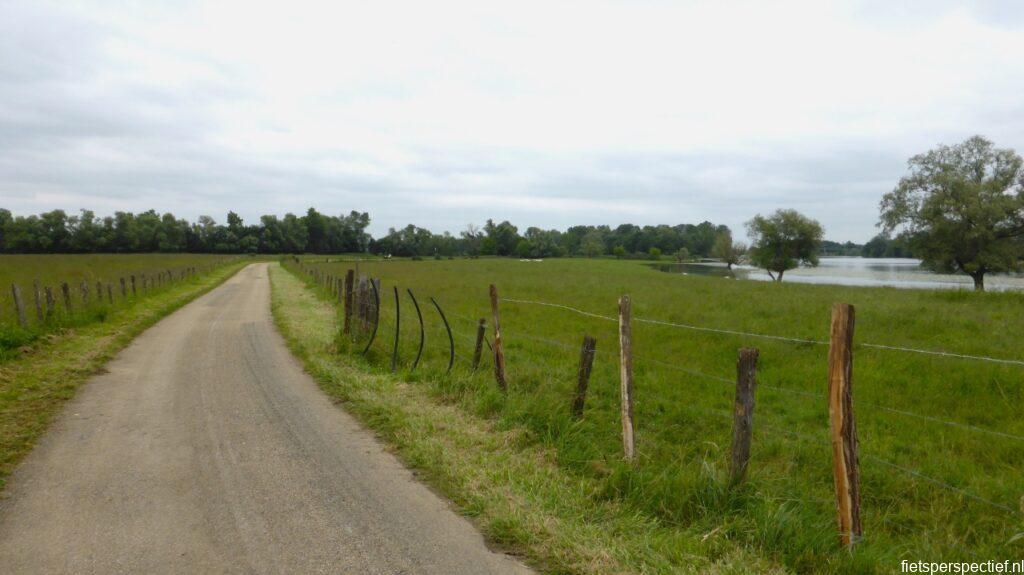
(619, 252)
(682, 254)
(504, 238)
(654, 254)
(961, 209)
(783, 241)
(724, 249)
(592, 244)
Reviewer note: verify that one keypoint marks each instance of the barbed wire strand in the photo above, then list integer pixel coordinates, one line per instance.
(941, 483)
(774, 338)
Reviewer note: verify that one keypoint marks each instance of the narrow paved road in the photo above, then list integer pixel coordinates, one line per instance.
(205, 448)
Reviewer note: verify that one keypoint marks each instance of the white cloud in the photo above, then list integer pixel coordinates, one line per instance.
(546, 113)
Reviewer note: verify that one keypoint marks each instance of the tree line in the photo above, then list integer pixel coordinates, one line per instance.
(314, 232)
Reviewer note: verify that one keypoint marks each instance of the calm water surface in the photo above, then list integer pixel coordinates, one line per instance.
(891, 272)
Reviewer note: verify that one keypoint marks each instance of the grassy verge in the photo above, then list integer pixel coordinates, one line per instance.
(516, 492)
(37, 383)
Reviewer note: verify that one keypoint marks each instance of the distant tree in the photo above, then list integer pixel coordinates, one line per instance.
(783, 241)
(682, 254)
(619, 252)
(654, 254)
(724, 249)
(472, 238)
(523, 248)
(592, 244)
(504, 238)
(961, 209)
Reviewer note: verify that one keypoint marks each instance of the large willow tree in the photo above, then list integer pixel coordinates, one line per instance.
(961, 209)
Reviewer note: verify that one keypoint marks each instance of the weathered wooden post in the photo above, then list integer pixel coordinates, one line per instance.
(84, 288)
(481, 328)
(124, 292)
(99, 292)
(133, 285)
(110, 293)
(19, 305)
(66, 291)
(499, 349)
(843, 431)
(37, 296)
(583, 375)
(626, 376)
(51, 304)
(398, 331)
(743, 414)
(349, 280)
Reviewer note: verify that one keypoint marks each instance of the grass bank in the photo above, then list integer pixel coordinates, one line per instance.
(512, 487)
(37, 381)
(942, 437)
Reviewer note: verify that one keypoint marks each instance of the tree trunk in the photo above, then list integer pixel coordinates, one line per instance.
(728, 266)
(779, 279)
(979, 281)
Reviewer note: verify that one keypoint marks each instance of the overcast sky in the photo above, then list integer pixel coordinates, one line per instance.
(544, 113)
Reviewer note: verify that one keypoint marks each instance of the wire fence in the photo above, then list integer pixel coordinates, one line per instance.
(728, 383)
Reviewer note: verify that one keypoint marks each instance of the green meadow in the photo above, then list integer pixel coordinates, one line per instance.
(53, 270)
(941, 438)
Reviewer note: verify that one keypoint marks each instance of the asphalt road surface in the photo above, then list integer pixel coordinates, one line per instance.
(205, 448)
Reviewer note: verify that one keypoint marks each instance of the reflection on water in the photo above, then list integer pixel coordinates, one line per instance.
(852, 271)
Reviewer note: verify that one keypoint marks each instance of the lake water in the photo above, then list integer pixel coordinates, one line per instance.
(890, 272)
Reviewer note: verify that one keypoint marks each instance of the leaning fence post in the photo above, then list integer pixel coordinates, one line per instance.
(481, 328)
(843, 431)
(743, 414)
(499, 351)
(19, 306)
(349, 280)
(583, 376)
(626, 376)
(398, 331)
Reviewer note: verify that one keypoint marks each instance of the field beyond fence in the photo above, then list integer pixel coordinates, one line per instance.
(728, 399)
(45, 293)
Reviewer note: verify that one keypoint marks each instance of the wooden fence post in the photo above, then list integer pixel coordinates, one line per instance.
(84, 288)
(110, 293)
(19, 305)
(481, 327)
(124, 291)
(499, 350)
(843, 431)
(743, 414)
(66, 291)
(626, 376)
(99, 292)
(51, 304)
(349, 280)
(133, 284)
(38, 297)
(583, 375)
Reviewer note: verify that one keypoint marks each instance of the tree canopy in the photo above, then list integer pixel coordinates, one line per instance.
(961, 209)
(783, 241)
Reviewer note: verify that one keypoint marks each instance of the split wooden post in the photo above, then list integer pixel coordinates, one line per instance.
(583, 375)
(349, 280)
(19, 305)
(743, 414)
(626, 376)
(66, 291)
(843, 431)
(499, 349)
(481, 327)
(38, 297)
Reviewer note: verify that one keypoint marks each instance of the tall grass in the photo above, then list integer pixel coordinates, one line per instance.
(684, 400)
